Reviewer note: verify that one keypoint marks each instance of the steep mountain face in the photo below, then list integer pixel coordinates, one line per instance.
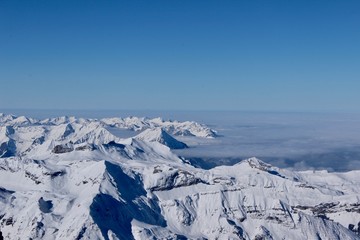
(69, 178)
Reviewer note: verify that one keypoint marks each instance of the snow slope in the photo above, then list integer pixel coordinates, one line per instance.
(161, 136)
(69, 178)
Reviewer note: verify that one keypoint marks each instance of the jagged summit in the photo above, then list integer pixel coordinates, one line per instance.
(257, 163)
(161, 136)
(6, 118)
(13, 120)
(73, 179)
(175, 128)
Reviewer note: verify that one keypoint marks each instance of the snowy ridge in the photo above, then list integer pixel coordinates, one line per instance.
(161, 136)
(176, 128)
(187, 128)
(72, 179)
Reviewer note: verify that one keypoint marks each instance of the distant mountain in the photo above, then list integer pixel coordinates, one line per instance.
(70, 178)
(161, 136)
(176, 128)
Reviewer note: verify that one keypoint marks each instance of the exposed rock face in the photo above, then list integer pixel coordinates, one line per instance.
(87, 147)
(58, 149)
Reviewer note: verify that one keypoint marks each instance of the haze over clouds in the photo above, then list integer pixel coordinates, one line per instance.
(296, 140)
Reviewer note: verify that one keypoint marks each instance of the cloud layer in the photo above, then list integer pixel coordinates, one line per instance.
(294, 140)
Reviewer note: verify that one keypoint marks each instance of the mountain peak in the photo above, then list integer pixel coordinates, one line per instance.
(257, 163)
(161, 136)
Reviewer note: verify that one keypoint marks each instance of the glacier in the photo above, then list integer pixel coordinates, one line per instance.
(72, 178)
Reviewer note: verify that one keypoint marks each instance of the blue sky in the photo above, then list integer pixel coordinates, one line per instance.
(180, 55)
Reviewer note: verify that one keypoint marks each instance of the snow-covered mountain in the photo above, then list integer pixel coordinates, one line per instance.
(176, 128)
(161, 136)
(70, 178)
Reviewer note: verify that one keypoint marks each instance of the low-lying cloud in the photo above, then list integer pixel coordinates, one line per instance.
(293, 140)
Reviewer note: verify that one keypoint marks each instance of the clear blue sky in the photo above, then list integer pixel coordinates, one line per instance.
(180, 55)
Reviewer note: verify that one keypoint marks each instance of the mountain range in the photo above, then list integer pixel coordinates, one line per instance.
(72, 178)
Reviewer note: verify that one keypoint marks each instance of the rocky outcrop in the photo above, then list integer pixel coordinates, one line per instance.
(65, 148)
